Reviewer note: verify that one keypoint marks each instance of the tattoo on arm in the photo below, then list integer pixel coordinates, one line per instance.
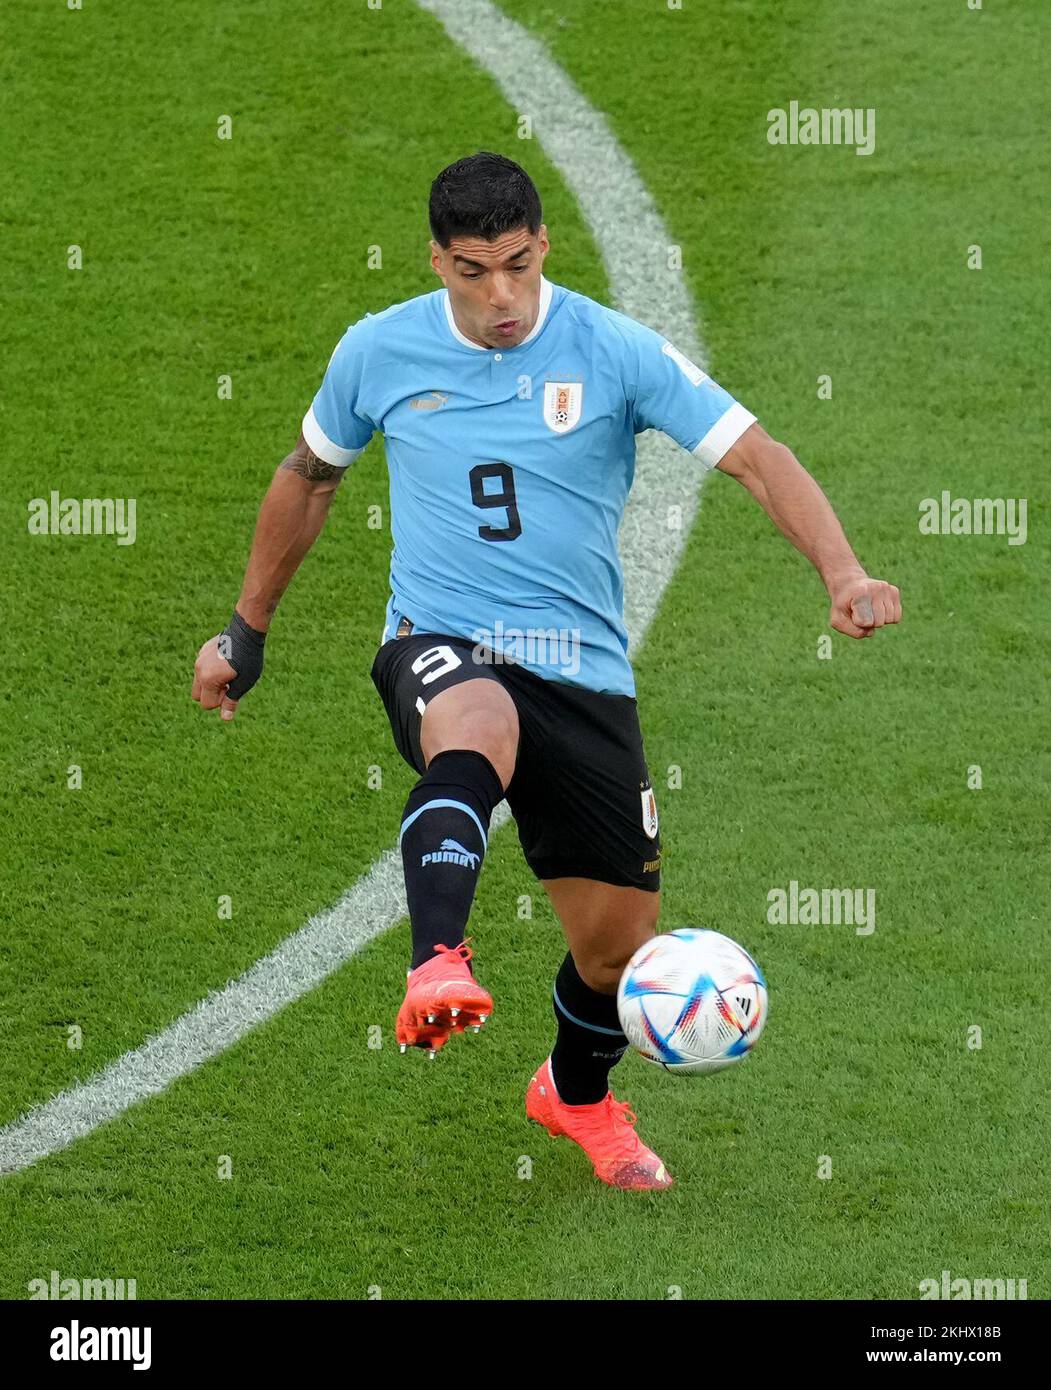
(305, 462)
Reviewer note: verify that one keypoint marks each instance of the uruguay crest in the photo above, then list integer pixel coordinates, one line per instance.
(649, 813)
(563, 401)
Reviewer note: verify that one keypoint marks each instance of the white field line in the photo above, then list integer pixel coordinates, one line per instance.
(634, 242)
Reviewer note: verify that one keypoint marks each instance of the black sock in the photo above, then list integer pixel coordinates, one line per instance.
(590, 1040)
(443, 840)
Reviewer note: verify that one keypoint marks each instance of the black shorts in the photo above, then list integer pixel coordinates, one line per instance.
(580, 794)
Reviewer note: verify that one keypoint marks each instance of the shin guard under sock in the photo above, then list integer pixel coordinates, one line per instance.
(590, 1041)
(444, 833)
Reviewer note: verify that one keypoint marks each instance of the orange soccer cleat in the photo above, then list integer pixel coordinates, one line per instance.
(604, 1130)
(442, 997)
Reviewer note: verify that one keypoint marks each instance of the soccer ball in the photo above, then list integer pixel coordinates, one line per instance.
(692, 1000)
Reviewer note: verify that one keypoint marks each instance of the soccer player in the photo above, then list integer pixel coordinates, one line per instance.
(510, 406)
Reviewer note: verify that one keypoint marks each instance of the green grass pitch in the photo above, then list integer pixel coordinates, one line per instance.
(355, 1168)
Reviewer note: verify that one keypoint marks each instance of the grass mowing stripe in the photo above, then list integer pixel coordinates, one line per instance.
(633, 239)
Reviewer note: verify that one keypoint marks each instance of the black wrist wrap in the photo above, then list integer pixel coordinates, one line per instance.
(242, 647)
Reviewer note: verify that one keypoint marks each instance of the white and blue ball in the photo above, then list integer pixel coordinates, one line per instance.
(692, 1000)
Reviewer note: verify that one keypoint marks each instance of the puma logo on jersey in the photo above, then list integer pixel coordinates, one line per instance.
(434, 400)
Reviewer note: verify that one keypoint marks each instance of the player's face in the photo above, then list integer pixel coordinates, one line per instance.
(494, 286)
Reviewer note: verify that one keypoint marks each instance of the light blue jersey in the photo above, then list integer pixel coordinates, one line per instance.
(509, 468)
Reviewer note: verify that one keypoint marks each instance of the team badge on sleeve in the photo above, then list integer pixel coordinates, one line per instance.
(562, 404)
(649, 812)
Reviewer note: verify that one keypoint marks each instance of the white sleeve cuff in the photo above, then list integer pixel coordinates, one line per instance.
(325, 449)
(726, 431)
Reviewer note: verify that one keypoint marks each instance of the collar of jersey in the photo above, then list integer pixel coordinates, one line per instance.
(541, 315)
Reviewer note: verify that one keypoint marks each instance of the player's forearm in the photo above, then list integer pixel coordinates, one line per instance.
(290, 520)
(800, 510)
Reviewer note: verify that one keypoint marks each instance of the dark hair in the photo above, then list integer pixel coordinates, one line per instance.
(483, 195)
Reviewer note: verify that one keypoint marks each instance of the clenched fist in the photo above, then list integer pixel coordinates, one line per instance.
(860, 605)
